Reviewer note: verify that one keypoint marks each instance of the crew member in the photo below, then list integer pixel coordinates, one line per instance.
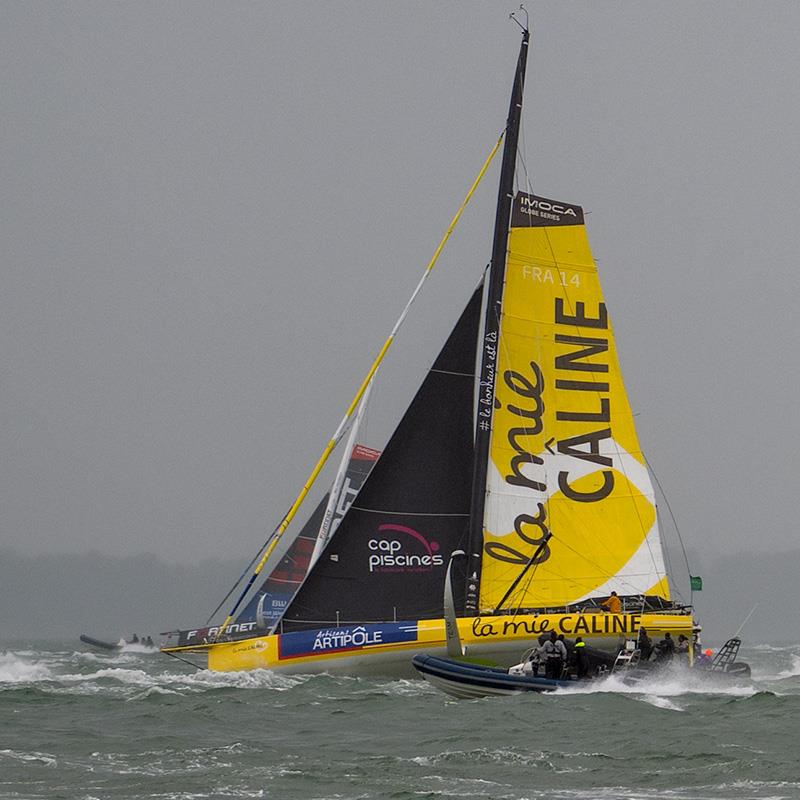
(546, 653)
(613, 604)
(704, 659)
(556, 655)
(645, 645)
(581, 660)
(665, 649)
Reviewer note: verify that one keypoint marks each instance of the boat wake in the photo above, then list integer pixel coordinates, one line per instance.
(775, 671)
(660, 690)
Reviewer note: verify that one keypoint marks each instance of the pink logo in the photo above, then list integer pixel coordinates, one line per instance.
(431, 547)
(388, 552)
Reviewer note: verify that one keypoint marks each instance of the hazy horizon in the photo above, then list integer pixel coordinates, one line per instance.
(58, 597)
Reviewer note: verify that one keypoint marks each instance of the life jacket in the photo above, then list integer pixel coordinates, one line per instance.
(556, 651)
(549, 649)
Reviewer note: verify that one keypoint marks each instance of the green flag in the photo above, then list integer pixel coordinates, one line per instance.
(695, 583)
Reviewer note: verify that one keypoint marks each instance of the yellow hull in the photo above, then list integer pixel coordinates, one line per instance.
(387, 648)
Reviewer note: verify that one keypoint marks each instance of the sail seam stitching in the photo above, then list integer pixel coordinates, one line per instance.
(407, 513)
(450, 372)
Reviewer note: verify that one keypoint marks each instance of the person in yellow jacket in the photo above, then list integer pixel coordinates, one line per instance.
(613, 604)
(580, 658)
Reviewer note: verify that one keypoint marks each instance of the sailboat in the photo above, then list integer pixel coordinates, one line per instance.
(519, 449)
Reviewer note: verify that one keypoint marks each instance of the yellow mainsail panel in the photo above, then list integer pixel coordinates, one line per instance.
(564, 455)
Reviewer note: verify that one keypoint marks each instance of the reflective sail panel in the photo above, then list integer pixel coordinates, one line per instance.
(564, 455)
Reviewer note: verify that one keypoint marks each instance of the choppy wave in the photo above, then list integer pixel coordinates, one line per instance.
(135, 675)
(18, 668)
(128, 725)
(33, 757)
(790, 663)
(125, 674)
(54, 674)
(794, 670)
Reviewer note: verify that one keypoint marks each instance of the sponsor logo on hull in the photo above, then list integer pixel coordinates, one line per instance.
(207, 635)
(568, 624)
(335, 640)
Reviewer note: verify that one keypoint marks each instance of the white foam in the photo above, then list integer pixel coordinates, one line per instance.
(116, 658)
(140, 649)
(14, 669)
(121, 673)
(794, 669)
(45, 759)
(488, 755)
(116, 679)
(150, 691)
(137, 677)
(776, 648)
(664, 684)
(758, 787)
(252, 679)
(90, 657)
(660, 702)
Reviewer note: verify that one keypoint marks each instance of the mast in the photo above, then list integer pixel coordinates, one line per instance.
(497, 268)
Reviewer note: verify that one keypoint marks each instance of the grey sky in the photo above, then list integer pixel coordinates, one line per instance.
(213, 213)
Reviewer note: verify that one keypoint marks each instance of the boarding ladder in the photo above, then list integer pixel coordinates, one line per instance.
(627, 658)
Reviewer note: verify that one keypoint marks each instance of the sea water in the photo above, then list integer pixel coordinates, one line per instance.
(135, 724)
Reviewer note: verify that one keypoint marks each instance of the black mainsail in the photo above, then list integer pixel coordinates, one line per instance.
(388, 557)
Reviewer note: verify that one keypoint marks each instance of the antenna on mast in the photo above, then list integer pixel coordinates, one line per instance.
(746, 619)
(513, 15)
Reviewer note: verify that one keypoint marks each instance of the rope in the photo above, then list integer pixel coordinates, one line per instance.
(677, 529)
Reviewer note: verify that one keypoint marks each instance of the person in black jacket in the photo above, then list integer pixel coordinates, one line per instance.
(645, 645)
(665, 649)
